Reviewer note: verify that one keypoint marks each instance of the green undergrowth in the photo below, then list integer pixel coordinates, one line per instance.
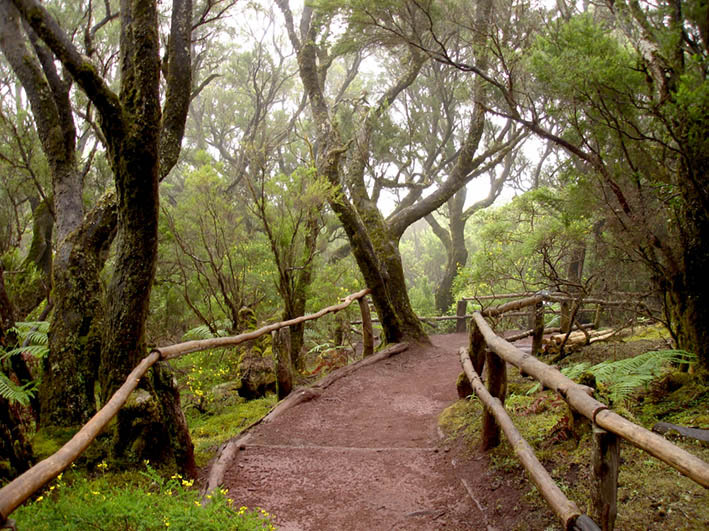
(211, 428)
(136, 500)
(95, 494)
(209, 383)
(651, 494)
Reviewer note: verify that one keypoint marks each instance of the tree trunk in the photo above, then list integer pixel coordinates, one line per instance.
(384, 275)
(685, 300)
(67, 394)
(15, 449)
(136, 135)
(280, 341)
(574, 272)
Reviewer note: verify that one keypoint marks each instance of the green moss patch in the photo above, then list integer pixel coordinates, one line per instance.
(210, 430)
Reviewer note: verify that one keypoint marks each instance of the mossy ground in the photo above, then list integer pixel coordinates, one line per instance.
(651, 495)
(211, 429)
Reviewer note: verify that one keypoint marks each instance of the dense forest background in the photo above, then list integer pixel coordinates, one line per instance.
(183, 169)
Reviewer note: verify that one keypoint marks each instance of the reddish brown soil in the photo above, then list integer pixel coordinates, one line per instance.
(368, 455)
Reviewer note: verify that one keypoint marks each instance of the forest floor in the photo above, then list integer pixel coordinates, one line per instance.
(368, 454)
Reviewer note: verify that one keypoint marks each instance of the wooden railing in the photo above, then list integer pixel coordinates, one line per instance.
(488, 348)
(21, 488)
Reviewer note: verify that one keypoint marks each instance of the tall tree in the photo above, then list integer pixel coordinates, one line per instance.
(639, 122)
(346, 162)
(68, 392)
(143, 143)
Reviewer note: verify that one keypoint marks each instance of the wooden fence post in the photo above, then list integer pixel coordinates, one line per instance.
(477, 347)
(538, 327)
(284, 367)
(367, 331)
(460, 310)
(597, 317)
(604, 477)
(497, 387)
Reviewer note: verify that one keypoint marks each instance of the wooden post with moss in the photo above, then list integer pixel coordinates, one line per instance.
(605, 461)
(497, 387)
(367, 331)
(460, 310)
(284, 367)
(477, 347)
(538, 327)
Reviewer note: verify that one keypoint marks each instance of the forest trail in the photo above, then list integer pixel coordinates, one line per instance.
(367, 454)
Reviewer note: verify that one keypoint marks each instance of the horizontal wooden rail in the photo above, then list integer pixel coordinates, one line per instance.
(500, 296)
(22, 487)
(565, 509)
(174, 351)
(579, 398)
(514, 305)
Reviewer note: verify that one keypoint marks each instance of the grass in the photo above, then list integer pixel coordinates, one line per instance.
(651, 494)
(92, 495)
(138, 500)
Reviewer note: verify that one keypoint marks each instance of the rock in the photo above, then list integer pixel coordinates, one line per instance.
(258, 375)
(226, 390)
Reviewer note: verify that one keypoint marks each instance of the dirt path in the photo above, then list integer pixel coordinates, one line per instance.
(367, 455)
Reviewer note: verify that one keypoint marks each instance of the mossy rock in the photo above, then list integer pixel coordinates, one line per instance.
(258, 376)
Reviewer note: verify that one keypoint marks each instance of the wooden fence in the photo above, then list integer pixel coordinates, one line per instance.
(488, 348)
(21, 488)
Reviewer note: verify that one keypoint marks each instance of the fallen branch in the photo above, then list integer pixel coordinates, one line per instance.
(692, 433)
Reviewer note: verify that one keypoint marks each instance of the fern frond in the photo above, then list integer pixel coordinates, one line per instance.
(37, 351)
(198, 332)
(203, 332)
(622, 377)
(23, 327)
(15, 393)
(36, 337)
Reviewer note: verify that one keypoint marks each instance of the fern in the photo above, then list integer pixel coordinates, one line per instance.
(37, 351)
(622, 377)
(15, 393)
(22, 328)
(203, 332)
(32, 334)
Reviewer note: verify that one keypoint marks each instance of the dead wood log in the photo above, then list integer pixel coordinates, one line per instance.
(692, 433)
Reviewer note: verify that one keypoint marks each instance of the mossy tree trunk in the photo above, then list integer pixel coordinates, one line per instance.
(374, 240)
(453, 237)
(67, 394)
(15, 449)
(686, 294)
(67, 390)
(143, 144)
